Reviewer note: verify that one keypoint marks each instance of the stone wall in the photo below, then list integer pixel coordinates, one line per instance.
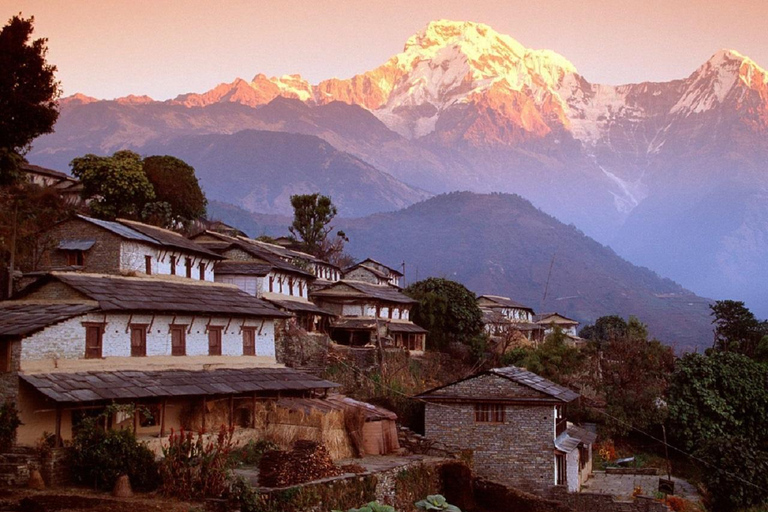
(592, 502)
(54, 468)
(66, 340)
(103, 257)
(9, 381)
(297, 348)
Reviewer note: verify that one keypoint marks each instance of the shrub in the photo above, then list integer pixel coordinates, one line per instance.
(737, 475)
(436, 502)
(193, 467)
(97, 457)
(9, 422)
(251, 453)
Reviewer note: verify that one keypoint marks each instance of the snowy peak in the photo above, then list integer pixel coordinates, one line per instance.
(727, 74)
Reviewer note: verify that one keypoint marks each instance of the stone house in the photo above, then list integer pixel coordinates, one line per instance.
(369, 314)
(124, 247)
(503, 316)
(67, 186)
(374, 272)
(515, 424)
(191, 353)
(263, 273)
(547, 322)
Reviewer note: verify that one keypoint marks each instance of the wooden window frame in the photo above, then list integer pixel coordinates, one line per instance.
(102, 328)
(215, 331)
(201, 269)
(561, 477)
(489, 413)
(142, 328)
(75, 258)
(183, 330)
(248, 349)
(188, 265)
(271, 283)
(173, 265)
(148, 264)
(6, 356)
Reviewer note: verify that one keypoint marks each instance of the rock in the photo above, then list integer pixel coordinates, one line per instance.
(122, 487)
(36, 480)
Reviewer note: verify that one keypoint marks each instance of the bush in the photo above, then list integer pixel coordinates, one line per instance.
(193, 467)
(97, 457)
(251, 453)
(9, 422)
(738, 473)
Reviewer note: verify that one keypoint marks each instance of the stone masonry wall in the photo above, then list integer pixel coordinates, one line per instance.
(66, 340)
(103, 257)
(9, 381)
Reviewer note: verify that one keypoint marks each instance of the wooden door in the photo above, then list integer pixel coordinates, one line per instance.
(94, 334)
(138, 340)
(249, 342)
(178, 340)
(214, 341)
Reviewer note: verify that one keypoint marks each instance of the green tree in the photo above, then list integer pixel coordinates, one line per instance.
(605, 329)
(176, 185)
(115, 185)
(448, 310)
(716, 396)
(554, 359)
(311, 215)
(635, 375)
(736, 328)
(28, 94)
(737, 475)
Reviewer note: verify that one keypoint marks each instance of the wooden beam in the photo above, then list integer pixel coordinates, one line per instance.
(253, 411)
(58, 426)
(162, 417)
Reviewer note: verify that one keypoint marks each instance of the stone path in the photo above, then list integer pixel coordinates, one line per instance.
(622, 486)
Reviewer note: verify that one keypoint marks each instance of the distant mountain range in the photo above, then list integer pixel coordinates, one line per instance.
(502, 244)
(671, 174)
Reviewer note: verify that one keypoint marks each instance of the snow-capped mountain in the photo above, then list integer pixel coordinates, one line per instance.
(464, 107)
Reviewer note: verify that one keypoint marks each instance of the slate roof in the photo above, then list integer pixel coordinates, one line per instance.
(542, 318)
(139, 232)
(249, 268)
(36, 169)
(297, 306)
(386, 293)
(406, 327)
(76, 245)
(168, 238)
(504, 302)
(23, 318)
(518, 375)
(117, 385)
(363, 263)
(536, 382)
(117, 293)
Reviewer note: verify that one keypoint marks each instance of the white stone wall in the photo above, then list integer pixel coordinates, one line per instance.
(572, 470)
(132, 260)
(281, 283)
(249, 284)
(326, 272)
(67, 339)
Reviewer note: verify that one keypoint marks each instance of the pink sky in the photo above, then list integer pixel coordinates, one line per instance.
(111, 48)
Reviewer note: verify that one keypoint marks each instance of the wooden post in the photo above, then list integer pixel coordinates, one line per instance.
(204, 411)
(231, 411)
(135, 419)
(253, 411)
(58, 426)
(162, 417)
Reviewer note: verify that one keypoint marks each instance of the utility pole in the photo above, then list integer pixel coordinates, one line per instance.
(404, 281)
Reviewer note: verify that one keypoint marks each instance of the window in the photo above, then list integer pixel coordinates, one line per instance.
(6, 358)
(188, 265)
(148, 265)
(559, 469)
(173, 265)
(75, 258)
(178, 340)
(249, 341)
(214, 341)
(201, 266)
(94, 334)
(489, 413)
(271, 282)
(138, 340)
(290, 286)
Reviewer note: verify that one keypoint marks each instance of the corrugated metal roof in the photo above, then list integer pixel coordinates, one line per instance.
(168, 238)
(572, 438)
(119, 229)
(129, 385)
(504, 302)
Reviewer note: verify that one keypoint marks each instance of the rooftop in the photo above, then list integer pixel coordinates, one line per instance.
(360, 289)
(21, 319)
(504, 302)
(133, 384)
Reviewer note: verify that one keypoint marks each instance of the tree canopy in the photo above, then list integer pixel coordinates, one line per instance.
(175, 184)
(28, 93)
(736, 327)
(448, 310)
(606, 328)
(311, 215)
(116, 185)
